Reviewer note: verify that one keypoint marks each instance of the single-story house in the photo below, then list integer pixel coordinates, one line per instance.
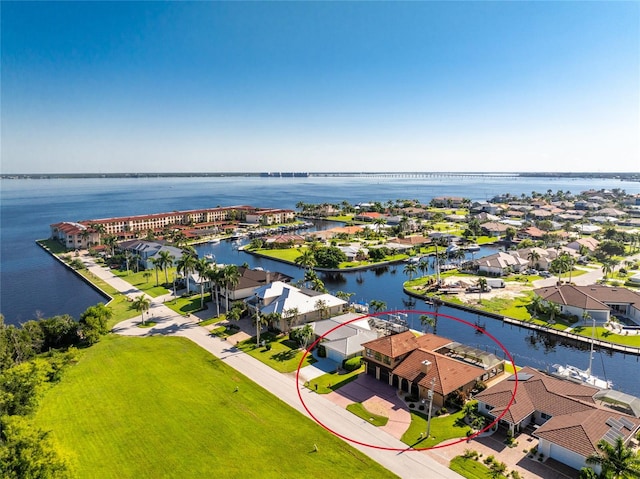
(343, 336)
(590, 243)
(564, 415)
(599, 301)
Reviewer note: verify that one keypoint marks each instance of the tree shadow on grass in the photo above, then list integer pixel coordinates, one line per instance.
(284, 355)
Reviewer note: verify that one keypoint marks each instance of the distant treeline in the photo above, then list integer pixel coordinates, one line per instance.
(628, 176)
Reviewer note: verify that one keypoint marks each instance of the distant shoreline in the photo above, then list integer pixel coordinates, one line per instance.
(623, 176)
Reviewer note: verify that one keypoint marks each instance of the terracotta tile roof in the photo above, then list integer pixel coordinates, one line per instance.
(592, 297)
(431, 342)
(394, 345)
(540, 392)
(449, 373)
(580, 432)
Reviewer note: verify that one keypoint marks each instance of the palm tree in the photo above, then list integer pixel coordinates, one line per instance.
(215, 276)
(166, 260)
(157, 265)
(306, 259)
(291, 316)
(534, 257)
(100, 229)
(378, 223)
(186, 264)
(141, 304)
(322, 307)
(553, 309)
(230, 278)
(410, 269)
(616, 461)
(482, 283)
(202, 267)
(428, 320)
(261, 320)
(378, 305)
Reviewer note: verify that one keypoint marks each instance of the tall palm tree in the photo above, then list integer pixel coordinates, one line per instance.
(215, 275)
(616, 461)
(100, 229)
(260, 320)
(141, 304)
(534, 257)
(231, 278)
(157, 265)
(166, 260)
(291, 316)
(202, 267)
(186, 264)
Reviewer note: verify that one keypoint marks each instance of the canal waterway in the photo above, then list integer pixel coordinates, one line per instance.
(527, 347)
(33, 284)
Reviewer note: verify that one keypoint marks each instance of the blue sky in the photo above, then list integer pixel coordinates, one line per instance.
(320, 86)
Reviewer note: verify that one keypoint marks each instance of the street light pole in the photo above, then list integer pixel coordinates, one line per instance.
(430, 396)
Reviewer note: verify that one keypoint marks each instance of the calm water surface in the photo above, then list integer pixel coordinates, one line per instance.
(32, 283)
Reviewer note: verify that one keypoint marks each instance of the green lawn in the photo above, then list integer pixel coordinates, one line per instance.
(284, 356)
(442, 428)
(191, 304)
(470, 468)
(333, 381)
(359, 410)
(143, 284)
(163, 407)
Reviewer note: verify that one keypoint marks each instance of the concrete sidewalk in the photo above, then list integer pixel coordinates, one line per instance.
(375, 443)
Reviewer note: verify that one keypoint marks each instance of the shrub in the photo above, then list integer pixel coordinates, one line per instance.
(352, 364)
(489, 459)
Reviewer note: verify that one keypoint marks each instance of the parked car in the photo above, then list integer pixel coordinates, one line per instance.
(545, 274)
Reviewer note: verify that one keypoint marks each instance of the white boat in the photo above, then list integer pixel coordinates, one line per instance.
(578, 375)
(214, 240)
(472, 247)
(209, 257)
(583, 376)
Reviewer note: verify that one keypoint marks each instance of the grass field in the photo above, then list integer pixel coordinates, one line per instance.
(162, 407)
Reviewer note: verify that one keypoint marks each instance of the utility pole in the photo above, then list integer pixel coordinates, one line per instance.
(430, 396)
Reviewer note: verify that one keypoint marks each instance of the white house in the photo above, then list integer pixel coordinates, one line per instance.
(343, 336)
(285, 299)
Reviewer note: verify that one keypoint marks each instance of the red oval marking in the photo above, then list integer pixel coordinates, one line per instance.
(408, 448)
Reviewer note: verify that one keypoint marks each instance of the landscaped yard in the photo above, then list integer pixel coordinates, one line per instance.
(470, 468)
(163, 407)
(442, 428)
(359, 410)
(333, 381)
(279, 353)
(147, 285)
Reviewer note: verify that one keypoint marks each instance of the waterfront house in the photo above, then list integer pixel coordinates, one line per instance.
(447, 202)
(282, 298)
(145, 252)
(499, 264)
(563, 415)
(343, 336)
(251, 279)
(414, 365)
(494, 229)
(598, 301)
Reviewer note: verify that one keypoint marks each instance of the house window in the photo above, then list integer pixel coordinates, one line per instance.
(369, 353)
(378, 356)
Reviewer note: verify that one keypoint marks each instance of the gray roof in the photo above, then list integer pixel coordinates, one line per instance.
(611, 396)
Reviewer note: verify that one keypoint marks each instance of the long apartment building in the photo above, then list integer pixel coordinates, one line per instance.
(84, 233)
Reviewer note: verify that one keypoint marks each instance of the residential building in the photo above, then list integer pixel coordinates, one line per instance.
(74, 235)
(282, 298)
(343, 336)
(564, 416)
(415, 365)
(598, 301)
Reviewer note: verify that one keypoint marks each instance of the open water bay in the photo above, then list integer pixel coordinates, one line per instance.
(33, 284)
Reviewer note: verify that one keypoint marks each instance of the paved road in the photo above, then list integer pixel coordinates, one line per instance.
(408, 464)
